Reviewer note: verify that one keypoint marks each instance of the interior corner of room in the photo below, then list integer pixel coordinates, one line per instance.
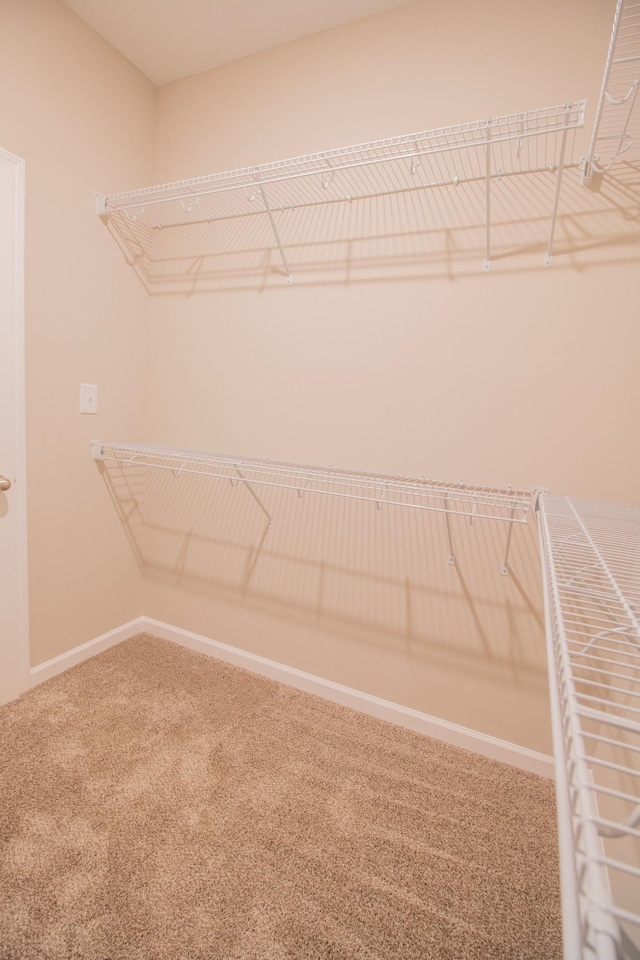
(363, 420)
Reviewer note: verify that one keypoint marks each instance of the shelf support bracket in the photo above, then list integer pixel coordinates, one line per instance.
(505, 565)
(487, 260)
(548, 257)
(452, 557)
(255, 496)
(275, 232)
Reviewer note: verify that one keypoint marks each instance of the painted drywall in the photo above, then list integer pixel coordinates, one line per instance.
(393, 353)
(82, 118)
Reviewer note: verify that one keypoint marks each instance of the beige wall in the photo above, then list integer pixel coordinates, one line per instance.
(82, 118)
(506, 377)
(418, 67)
(377, 359)
(391, 351)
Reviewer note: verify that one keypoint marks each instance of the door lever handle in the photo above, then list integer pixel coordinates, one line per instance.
(5, 483)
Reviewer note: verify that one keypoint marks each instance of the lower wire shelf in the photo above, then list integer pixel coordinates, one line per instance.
(591, 560)
(471, 501)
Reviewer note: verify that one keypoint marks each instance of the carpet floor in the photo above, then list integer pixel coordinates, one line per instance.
(156, 804)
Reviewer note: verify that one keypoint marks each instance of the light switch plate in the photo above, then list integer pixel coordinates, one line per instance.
(88, 398)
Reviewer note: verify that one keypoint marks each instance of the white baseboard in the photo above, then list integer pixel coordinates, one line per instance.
(453, 733)
(481, 743)
(50, 668)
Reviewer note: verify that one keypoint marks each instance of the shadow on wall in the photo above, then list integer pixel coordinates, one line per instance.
(432, 233)
(380, 577)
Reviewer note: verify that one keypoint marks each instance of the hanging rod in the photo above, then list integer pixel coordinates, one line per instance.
(470, 501)
(591, 566)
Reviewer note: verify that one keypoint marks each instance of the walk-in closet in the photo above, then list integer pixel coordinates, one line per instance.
(320, 480)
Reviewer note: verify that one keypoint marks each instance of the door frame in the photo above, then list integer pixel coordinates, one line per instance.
(19, 489)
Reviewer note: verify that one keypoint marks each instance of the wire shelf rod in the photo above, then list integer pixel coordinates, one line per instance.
(589, 571)
(347, 198)
(581, 575)
(612, 830)
(625, 915)
(616, 128)
(612, 675)
(611, 704)
(624, 868)
(607, 719)
(601, 672)
(596, 598)
(489, 150)
(625, 653)
(610, 688)
(295, 471)
(617, 794)
(443, 140)
(605, 569)
(613, 636)
(605, 82)
(608, 740)
(351, 195)
(413, 493)
(617, 831)
(590, 595)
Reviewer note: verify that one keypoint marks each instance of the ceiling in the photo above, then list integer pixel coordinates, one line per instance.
(171, 39)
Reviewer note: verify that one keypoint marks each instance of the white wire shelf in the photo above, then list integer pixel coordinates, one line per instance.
(616, 129)
(591, 559)
(484, 151)
(470, 501)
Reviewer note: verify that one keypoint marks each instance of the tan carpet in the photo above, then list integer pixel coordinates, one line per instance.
(158, 804)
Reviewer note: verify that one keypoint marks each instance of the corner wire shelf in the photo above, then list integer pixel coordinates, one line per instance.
(470, 501)
(483, 151)
(591, 561)
(616, 129)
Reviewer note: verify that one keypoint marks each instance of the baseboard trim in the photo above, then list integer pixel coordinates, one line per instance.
(444, 730)
(488, 746)
(51, 668)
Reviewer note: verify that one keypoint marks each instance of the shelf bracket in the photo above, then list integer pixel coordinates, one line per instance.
(452, 557)
(505, 565)
(487, 260)
(255, 496)
(101, 206)
(548, 257)
(591, 172)
(536, 494)
(382, 498)
(275, 231)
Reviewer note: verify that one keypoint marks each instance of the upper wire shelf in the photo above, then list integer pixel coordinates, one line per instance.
(591, 559)
(520, 143)
(470, 501)
(616, 129)
(533, 141)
